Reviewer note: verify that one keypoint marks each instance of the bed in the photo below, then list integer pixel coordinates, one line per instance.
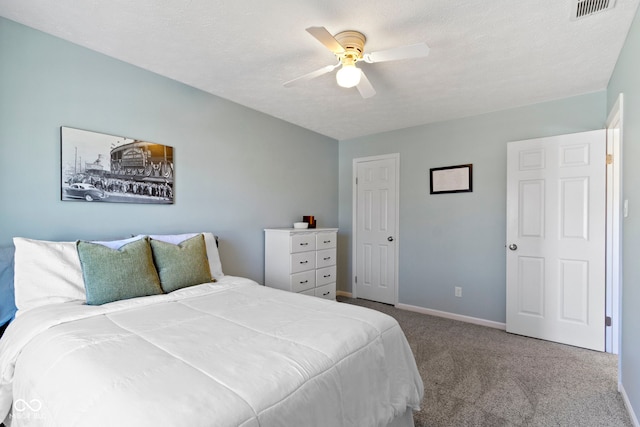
(228, 352)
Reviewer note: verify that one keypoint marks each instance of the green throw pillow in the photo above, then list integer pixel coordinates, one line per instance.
(111, 275)
(181, 265)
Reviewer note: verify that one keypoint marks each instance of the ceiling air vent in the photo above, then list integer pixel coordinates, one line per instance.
(584, 8)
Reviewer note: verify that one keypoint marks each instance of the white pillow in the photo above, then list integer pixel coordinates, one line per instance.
(117, 244)
(50, 272)
(210, 242)
(46, 273)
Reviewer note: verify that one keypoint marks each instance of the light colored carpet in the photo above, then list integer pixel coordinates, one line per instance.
(479, 376)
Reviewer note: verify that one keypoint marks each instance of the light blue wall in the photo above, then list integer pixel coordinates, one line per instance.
(237, 170)
(626, 80)
(458, 239)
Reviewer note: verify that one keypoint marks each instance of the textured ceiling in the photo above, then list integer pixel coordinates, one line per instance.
(485, 55)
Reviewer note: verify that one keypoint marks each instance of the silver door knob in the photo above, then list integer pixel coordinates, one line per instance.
(513, 246)
(390, 238)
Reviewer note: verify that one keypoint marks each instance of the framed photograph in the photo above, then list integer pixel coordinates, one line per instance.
(96, 167)
(452, 179)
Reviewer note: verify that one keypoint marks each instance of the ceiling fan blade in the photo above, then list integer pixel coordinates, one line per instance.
(325, 37)
(311, 75)
(364, 87)
(417, 50)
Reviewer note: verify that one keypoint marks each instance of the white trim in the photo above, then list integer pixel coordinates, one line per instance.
(453, 316)
(438, 313)
(627, 404)
(344, 294)
(614, 228)
(354, 217)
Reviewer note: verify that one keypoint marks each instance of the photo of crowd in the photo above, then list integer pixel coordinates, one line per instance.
(121, 169)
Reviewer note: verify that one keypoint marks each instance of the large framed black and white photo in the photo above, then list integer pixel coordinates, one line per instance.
(97, 167)
(452, 179)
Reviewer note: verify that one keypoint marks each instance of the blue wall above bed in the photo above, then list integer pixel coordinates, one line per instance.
(7, 306)
(238, 171)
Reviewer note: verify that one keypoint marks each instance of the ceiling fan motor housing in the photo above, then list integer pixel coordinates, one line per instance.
(353, 44)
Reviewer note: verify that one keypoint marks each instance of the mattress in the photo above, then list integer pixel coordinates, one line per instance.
(229, 353)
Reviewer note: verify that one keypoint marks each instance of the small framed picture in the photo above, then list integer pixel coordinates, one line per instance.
(452, 179)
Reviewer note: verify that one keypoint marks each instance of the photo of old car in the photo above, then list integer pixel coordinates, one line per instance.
(84, 191)
(114, 169)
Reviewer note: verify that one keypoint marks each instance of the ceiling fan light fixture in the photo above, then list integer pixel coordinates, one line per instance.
(348, 76)
(348, 47)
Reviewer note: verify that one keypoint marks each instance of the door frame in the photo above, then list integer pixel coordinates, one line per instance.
(354, 219)
(614, 227)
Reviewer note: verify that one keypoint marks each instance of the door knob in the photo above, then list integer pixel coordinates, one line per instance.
(390, 238)
(513, 246)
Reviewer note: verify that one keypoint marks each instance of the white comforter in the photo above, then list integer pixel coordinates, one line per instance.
(231, 353)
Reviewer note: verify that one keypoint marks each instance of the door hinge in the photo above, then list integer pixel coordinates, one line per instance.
(607, 321)
(609, 159)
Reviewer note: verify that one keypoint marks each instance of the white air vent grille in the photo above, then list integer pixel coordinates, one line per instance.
(584, 8)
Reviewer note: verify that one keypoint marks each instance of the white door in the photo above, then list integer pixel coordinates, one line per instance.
(556, 238)
(375, 224)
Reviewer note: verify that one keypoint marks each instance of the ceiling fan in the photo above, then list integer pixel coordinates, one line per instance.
(348, 46)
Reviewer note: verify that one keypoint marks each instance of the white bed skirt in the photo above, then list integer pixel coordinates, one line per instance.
(404, 420)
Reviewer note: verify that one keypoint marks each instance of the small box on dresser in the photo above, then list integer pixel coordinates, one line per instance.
(301, 260)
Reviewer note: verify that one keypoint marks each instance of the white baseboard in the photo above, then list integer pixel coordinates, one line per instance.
(460, 317)
(627, 404)
(453, 316)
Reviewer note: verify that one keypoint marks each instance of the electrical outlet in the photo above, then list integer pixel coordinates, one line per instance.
(458, 291)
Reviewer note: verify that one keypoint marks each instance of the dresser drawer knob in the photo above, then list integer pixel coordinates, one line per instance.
(327, 241)
(326, 293)
(326, 258)
(304, 262)
(326, 275)
(304, 244)
(306, 281)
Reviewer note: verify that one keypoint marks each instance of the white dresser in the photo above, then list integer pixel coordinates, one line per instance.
(301, 260)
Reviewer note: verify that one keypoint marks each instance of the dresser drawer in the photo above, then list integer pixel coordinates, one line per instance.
(303, 261)
(299, 260)
(303, 281)
(325, 275)
(326, 240)
(325, 258)
(310, 292)
(303, 242)
(326, 291)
